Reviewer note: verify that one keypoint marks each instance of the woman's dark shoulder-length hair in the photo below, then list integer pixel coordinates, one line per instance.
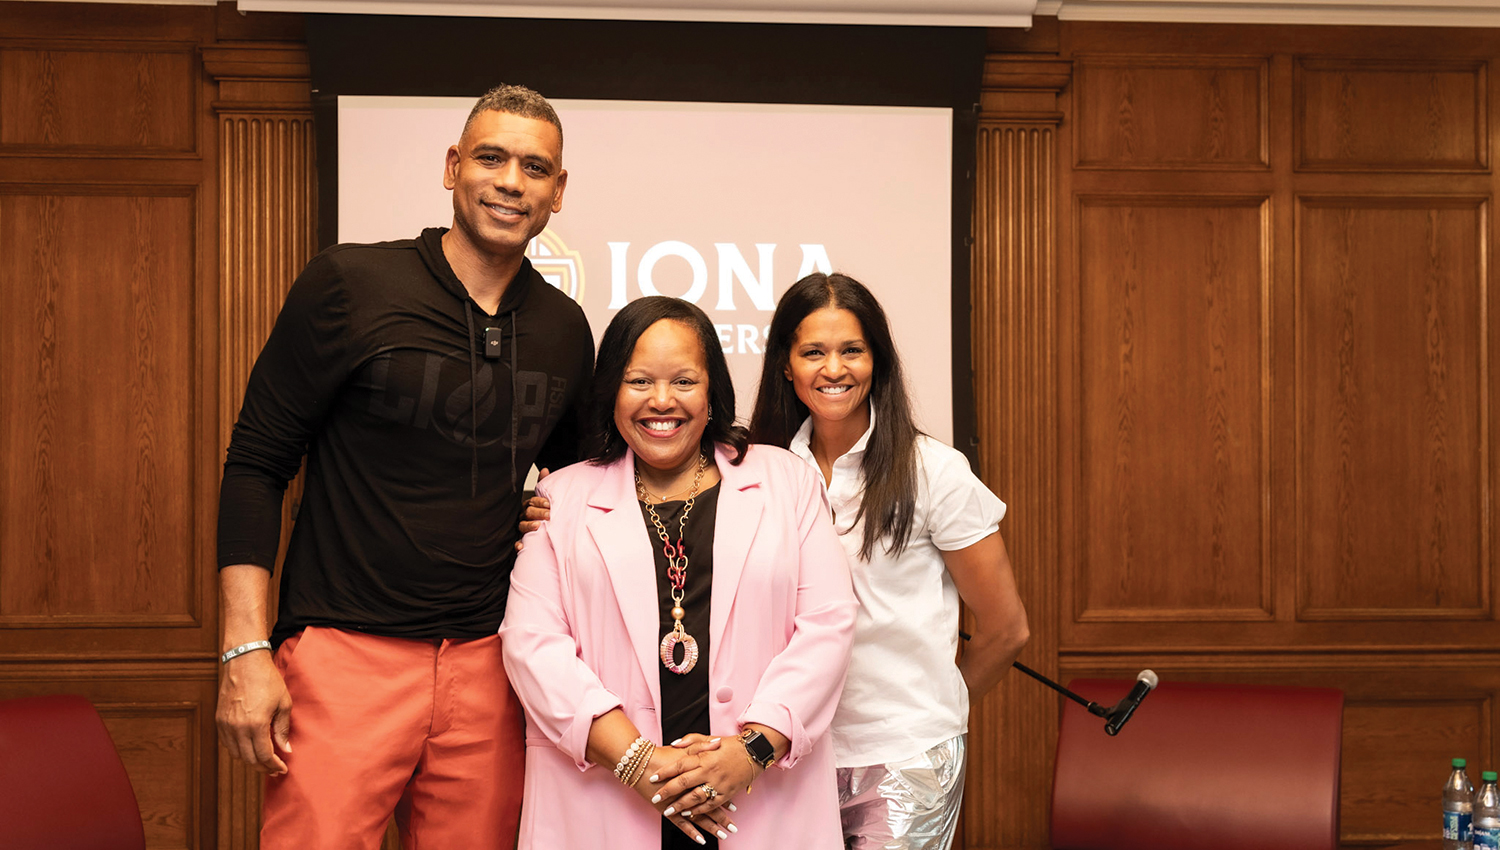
(890, 497)
(603, 443)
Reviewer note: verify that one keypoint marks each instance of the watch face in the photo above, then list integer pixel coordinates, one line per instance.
(759, 748)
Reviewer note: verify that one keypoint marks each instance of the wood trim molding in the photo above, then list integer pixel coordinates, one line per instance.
(1015, 336)
(155, 77)
(260, 78)
(257, 62)
(1355, 78)
(1023, 89)
(267, 233)
(268, 227)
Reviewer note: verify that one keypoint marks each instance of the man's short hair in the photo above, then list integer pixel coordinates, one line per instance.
(516, 100)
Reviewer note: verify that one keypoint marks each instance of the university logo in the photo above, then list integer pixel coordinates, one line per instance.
(557, 265)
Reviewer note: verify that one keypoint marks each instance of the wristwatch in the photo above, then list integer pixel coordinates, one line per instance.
(758, 747)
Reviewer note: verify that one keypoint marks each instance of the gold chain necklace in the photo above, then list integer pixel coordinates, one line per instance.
(677, 564)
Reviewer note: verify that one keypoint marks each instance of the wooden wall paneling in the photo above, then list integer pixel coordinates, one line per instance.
(1167, 341)
(1171, 112)
(1372, 115)
(1397, 749)
(1289, 417)
(158, 740)
(102, 524)
(107, 352)
(71, 97)
(160, 717)
(1012, 731)
(1281, 341)
(97, 528)
(1413, 44)
(25, 19)
(1173, 324)
(267, 227)
(1371, 360)
(1393, 473)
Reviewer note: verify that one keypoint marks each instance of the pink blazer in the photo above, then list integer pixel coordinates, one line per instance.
(580, 638)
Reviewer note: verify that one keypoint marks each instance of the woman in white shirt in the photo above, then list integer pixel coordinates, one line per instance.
(922, 532)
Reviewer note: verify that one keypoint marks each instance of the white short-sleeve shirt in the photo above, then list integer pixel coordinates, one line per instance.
(904, 694)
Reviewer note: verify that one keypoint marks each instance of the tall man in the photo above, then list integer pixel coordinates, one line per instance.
(421, 379)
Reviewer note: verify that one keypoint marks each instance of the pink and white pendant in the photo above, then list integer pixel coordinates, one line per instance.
(668, 651)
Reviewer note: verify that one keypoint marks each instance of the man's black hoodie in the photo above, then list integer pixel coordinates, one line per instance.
(417, 439)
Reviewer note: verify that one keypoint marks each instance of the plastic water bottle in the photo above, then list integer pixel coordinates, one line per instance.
(1487, 813)
(1458, 809)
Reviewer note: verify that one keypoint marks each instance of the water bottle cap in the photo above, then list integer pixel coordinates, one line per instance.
(1489, 776)
(1460, 763)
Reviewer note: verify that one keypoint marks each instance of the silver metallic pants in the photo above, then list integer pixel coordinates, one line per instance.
(905, 805)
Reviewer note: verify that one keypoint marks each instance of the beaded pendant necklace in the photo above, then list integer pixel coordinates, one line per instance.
(677, 565)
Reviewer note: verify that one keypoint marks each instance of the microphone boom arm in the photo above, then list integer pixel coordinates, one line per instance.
(1094, 708)
(1114, 716)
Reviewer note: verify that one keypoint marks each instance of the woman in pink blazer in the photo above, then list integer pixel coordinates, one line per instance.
(687, 588)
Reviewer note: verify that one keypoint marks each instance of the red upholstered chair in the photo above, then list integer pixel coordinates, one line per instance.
(62, 785)
(1228, 767)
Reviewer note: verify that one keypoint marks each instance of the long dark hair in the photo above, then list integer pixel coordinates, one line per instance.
(890, 495)
(603, 443)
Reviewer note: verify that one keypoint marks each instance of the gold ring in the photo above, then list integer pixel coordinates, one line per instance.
(708, 791)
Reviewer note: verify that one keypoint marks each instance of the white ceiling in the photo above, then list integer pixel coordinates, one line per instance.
(968, 13)
(959, 13)
(1407, 13)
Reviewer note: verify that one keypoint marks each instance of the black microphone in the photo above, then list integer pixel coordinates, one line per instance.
(1121, 713)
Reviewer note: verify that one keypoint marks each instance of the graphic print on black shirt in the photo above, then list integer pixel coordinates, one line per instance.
(431, 391)
(408, 518)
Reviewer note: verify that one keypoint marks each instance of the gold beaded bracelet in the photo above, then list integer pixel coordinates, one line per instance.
(643, 762)
(625, 759)
(633, 765)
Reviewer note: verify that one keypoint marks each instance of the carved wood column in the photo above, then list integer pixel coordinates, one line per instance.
(1014, 730)
(267, 233)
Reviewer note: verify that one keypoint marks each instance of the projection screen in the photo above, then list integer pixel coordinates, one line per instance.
(724, 204)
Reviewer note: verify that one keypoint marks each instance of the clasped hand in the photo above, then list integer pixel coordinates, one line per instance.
(696, 782)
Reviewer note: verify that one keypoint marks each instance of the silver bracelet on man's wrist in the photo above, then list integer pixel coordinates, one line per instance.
(244, 648)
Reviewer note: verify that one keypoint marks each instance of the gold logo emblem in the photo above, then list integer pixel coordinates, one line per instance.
(559, 266)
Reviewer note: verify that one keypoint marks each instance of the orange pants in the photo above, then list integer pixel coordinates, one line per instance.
(428, 730)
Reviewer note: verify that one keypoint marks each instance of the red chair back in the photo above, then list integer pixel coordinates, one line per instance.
(1229, 767)
(62, 785)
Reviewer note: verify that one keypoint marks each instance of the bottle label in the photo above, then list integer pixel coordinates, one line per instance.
(1457, 826)
(1487, 837)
